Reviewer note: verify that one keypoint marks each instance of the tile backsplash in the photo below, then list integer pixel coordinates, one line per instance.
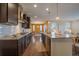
(5, 30)
(10, 30)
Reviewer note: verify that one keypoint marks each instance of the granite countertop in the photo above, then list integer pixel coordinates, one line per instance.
(15, 37)
(61, 37)
(49, 35)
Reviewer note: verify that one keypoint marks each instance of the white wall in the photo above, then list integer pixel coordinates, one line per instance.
(75, 27)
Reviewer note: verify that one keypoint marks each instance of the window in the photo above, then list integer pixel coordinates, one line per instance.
(40, 28)
(44, 28)
(54, 26)
(33, 27)
(67, 26)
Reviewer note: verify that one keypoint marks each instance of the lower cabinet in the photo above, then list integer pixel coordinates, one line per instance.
(8, 48)
(47, 43)
(14, 47)
(23, 43)
(20, 46)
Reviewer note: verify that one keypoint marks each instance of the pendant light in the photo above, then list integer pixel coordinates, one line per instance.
(35, 6)
(57, 17)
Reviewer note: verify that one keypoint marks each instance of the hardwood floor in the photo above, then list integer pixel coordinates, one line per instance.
(36, 47)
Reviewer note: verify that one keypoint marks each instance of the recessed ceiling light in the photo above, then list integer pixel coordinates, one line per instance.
(47, 9)
(35, 5)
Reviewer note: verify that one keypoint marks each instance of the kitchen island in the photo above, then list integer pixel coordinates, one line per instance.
(60, 46)
(14, 45)
(46, 39)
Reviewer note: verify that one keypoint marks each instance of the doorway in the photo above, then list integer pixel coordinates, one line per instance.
(37, 28)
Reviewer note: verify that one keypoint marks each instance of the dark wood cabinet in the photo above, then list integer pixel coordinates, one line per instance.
(20, 47)
(20, 14)
(26, 23)
(47, 43)
(3, 12)
(13, 13)
(8, 47)
(9, 13)
(15, 47)
(23, 43)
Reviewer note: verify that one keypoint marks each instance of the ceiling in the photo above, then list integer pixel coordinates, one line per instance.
(66, 11)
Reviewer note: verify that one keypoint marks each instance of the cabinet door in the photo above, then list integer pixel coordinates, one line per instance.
(19, 47)
(20, 13)
(28, 22)
(24, 42)
(3, 12)
(13, 13)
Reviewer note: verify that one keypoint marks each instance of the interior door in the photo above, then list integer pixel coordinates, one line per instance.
(37, 28)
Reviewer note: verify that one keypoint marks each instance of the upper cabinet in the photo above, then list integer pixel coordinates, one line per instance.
(9, 13)
(26, 23)
(13, 13)
(3, 12)
(20, 14)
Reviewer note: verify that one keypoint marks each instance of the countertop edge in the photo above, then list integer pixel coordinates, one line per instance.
(57, 37)
(14, 38)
